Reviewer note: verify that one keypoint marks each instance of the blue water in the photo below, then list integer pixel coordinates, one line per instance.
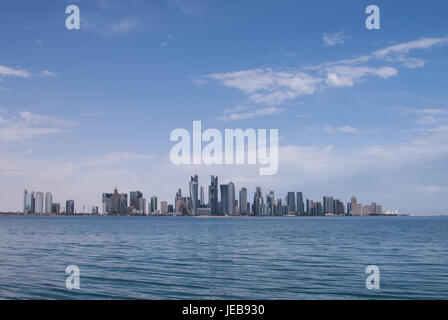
(224, 258)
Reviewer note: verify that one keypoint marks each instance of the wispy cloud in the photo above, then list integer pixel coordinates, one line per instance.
(237, 115)
(165, 43)
(27, 125)
(332, 39)
(19, 72)
(341, 129)
(114, 158)
(273, 86)
(47, 73)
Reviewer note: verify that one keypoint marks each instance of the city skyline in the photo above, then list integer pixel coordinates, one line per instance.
(357, 110)
(116, 204)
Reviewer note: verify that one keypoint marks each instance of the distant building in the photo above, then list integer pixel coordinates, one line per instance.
(213, 195)
(231, 199)
(94, 210)
(163, 207)
(56, 208)
(194, 196)
(134, 198)
(48, 202)
(224, 199)
(39, 203)
(28, 202)
(291, 202)
(142, 206)
(153, 204)
(70, 207)
(300, 205)
(243, 201)
(328, 205)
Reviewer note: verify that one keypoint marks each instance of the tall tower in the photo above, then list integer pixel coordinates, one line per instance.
(243, 201)
(224, 199)
(48, 202)
(194, 195)
(213, 195)
(231, 199)
(300, 205)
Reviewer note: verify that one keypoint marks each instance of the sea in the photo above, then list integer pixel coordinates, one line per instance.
(224, 258)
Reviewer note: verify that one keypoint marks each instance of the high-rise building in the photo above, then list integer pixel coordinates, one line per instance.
(123, 203)
(213, 196)
(291, 202)
(70, 207)
(231, 199)
(39, 203)
(300, 205)
(201, 197)
(134, 197)
(48, 202)
(328, 205)
(270, 199)
(28, 202)
(56, 208)
(258, 202)
(115, 207)
(224, 199)
(194, 194)
(106, 203)
(142, 205)
(163, 207)
(243, 201)
(153, 204)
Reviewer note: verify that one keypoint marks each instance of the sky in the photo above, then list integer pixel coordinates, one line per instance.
(359, 112)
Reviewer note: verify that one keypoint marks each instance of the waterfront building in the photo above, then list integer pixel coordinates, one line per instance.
(70, 207)
(153, 204)
(213, 195)
(231, 199)
(39, 203)
(291, 202)
(300, 205)
(194, 194)
(48, 202)
(243, 201)
(224, 199)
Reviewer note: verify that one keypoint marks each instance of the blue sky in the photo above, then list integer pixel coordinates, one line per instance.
(359, 111)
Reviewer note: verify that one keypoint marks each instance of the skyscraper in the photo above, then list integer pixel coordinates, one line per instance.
(194, 194)
(123, 203)
(201, 197)
(153, 204)
(142, 205)
(258, 202)
(115, 207)
(328, 204)
(106, 203)
(291, 202)
(243, 201)
(28, 202)
(134, 200)
(39, 204)
(270, 199)
(163, 207)
(300, 205)
(48, 202)
(224, 199)
(231, 199)
(70, 207)
(213, 195)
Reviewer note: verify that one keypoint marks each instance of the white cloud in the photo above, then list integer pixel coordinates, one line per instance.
(114, 158)
(332, 39)
(405, 47)
(28, 125)
(341, 129)
(46, 73)
(231, 115)
(269, 86)
(7, 71)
